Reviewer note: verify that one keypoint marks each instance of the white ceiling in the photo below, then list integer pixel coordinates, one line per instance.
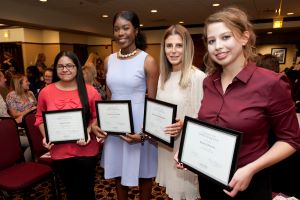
(85, 15)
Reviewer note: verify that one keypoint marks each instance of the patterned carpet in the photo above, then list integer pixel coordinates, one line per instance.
(105, 190)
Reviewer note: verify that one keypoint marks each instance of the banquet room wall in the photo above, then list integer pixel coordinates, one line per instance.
(50, 42)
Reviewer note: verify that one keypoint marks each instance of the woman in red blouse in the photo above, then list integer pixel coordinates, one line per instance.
(241, 96)
(74, 162)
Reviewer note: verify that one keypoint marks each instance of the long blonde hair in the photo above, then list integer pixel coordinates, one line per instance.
(188, 55)
(92, 59)
(17, 85)
(91, 74)
(237, 21)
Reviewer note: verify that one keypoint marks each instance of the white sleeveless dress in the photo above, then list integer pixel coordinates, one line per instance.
(127, 81)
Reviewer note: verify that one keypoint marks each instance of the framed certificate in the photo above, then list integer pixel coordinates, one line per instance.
(115, 117)
(209, 150)
(64, 125)
(157, 116)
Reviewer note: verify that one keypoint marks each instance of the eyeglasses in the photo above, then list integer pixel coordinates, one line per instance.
(68, 66)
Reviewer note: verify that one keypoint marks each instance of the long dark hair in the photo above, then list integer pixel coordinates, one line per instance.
(79, 80)
(140, 39)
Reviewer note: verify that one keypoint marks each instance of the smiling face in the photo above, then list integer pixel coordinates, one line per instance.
(174, 50)
(124, 34)
(66, 69)
(225, 47)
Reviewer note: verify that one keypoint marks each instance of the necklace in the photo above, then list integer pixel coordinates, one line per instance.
(127, 55)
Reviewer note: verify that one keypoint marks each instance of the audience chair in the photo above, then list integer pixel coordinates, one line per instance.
(15, 175)
(39, 153)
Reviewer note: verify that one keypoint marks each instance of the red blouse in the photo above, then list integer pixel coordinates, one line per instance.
(256, 101)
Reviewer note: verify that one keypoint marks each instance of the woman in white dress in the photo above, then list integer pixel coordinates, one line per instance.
(179, 83)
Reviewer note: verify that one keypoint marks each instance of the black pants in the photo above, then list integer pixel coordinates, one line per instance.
(78, 176)
(258, 189)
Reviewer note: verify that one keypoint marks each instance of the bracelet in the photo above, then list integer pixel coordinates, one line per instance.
(142, 139)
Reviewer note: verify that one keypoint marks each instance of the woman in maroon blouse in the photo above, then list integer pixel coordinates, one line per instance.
(241, 96)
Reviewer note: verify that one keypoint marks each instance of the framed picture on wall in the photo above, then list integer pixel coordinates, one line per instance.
(280, 53)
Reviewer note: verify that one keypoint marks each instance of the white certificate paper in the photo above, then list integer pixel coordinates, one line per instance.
(64, 126)
(115, 117)
(209, 151)
(157, 118)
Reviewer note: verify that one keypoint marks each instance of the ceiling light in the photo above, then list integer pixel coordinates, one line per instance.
(2, 25)
(181, 22)
(215, 4)
(278, 20)
(154, 11)
(43, 0)
(269, 32)
(141, 25)
(290, 13)
(104, 16)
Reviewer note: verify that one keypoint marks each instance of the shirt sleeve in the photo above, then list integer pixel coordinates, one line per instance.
(93, 97)
(3, 108)
(41, 106)
(197, 91)
(282, 113)
(10, 100)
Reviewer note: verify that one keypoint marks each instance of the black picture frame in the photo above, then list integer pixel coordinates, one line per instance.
(280, 53)
(110, 104)
(170, 118)
(65, 117)
(208, 136)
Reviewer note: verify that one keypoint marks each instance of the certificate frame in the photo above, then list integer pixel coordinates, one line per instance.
(58, 119)
(227, 144)
(108, 108)
(151, 117)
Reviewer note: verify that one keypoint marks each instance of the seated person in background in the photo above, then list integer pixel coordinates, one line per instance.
(3, 107)
(92, 59)
(20, 100)
(5, 85)
(34, 79)
(48, 76)
(268, 61)
(90, 75)
(100, 72)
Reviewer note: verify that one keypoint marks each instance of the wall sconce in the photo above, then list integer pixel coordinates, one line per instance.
(6, 34)
(277, 22)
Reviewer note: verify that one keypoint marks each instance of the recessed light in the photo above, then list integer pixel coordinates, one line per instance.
(2, 25)
(141, 25)
(181, 22)
(215, 4)
(104, 16)
(290, 13)
(43, 0)
(269, 32)
(154, 11)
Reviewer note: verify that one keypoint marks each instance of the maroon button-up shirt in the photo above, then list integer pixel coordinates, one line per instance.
(256, 100)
